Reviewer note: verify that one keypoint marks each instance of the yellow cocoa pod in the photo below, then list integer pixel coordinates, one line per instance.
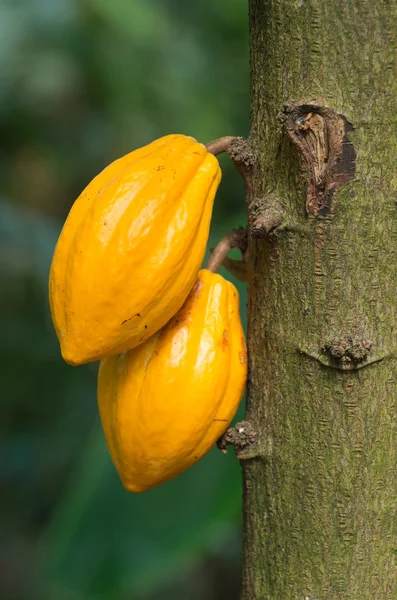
(131, 248)
(164, 404)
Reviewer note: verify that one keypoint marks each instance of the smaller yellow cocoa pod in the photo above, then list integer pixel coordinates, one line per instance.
(164, 404)
(131, 248)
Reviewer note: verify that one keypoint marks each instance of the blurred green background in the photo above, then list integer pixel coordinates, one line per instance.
(83, 82)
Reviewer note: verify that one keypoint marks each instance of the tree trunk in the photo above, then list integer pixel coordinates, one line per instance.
(320, 487)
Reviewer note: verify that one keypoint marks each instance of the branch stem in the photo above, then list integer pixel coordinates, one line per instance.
(236, 238)
(220, 145)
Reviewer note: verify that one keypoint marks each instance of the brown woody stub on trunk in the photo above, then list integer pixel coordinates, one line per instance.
(348, 350)
(240, 152)
(242, 437)
(266, 215)
(321, 136)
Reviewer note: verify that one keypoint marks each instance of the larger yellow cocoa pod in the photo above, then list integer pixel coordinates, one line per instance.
(131, 248)
(164, 404)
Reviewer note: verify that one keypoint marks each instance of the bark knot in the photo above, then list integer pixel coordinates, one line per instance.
(242, 437)
(242, 155)
(240, 152)
(266, 214)
(320, 134)
(348, 350)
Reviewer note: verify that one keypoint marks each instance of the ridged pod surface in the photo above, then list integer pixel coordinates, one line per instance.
(164, 404)
(131, 248)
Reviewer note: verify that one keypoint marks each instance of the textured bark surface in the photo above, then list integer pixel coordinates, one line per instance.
(320, 497)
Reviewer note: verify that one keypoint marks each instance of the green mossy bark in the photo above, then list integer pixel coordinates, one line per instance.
(320, 497)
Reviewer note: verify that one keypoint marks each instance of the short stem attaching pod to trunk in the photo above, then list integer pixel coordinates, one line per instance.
(236, 238)
(220, 145)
